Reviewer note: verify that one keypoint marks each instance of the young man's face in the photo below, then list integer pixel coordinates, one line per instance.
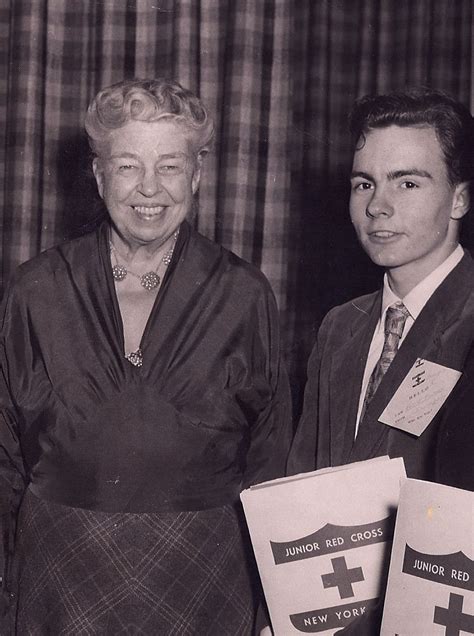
(404, 210)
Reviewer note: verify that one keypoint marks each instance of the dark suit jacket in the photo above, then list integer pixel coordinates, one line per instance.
(442, 333)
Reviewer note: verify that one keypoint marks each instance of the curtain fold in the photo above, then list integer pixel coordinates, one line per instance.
(279, 75)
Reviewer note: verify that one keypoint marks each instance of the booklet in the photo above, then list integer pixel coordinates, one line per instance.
(430, 588)
(322, 542)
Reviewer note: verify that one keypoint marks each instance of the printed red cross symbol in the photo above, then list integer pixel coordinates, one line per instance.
(452, 617)
(342, 577)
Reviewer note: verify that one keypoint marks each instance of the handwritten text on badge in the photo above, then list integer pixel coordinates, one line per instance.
(420, 396)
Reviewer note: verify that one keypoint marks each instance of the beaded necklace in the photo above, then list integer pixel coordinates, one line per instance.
(149, 280)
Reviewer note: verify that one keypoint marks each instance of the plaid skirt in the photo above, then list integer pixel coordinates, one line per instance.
(83, 572)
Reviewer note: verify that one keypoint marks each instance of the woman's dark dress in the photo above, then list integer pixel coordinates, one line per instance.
(129, 477)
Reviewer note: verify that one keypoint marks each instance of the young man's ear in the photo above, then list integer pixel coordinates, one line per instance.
(461, 200)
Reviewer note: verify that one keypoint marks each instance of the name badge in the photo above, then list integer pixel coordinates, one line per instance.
(420, 396)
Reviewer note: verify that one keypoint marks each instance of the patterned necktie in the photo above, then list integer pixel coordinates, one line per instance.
(394, 323)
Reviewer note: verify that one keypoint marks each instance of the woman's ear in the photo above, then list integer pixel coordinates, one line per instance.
(99, 176)
(196, 178)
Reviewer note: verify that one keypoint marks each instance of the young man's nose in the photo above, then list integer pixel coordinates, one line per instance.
(379, 205)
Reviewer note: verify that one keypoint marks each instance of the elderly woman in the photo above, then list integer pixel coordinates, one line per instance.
(142, 389)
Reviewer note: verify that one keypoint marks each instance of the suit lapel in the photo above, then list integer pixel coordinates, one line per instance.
(347, 370)
(425, 340)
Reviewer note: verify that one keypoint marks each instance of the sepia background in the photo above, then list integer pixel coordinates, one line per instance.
(280, 76)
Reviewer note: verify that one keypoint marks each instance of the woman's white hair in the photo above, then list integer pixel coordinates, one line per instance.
(147, 100)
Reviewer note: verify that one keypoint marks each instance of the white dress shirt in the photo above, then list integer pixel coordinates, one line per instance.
(414, 301)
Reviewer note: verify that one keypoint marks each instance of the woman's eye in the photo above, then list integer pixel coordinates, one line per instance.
(169, 168)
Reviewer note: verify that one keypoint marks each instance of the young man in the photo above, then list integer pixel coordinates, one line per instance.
(413, 161)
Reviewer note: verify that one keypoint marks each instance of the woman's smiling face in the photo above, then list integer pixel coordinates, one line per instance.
(147, 179)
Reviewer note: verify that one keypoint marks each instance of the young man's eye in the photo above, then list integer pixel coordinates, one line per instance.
(362, 185)
(409, 185)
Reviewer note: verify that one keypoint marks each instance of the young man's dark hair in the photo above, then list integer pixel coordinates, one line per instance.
(452, 121)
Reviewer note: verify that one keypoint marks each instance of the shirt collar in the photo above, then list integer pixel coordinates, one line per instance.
(417, 298)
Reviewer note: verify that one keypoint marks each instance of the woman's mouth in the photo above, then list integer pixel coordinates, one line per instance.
(148, 212)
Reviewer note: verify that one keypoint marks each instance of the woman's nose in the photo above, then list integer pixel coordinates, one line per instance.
(379, 205)
(150, 183)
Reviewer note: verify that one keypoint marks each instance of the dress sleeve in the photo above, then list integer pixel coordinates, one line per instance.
(271, 432)
(12, 474)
